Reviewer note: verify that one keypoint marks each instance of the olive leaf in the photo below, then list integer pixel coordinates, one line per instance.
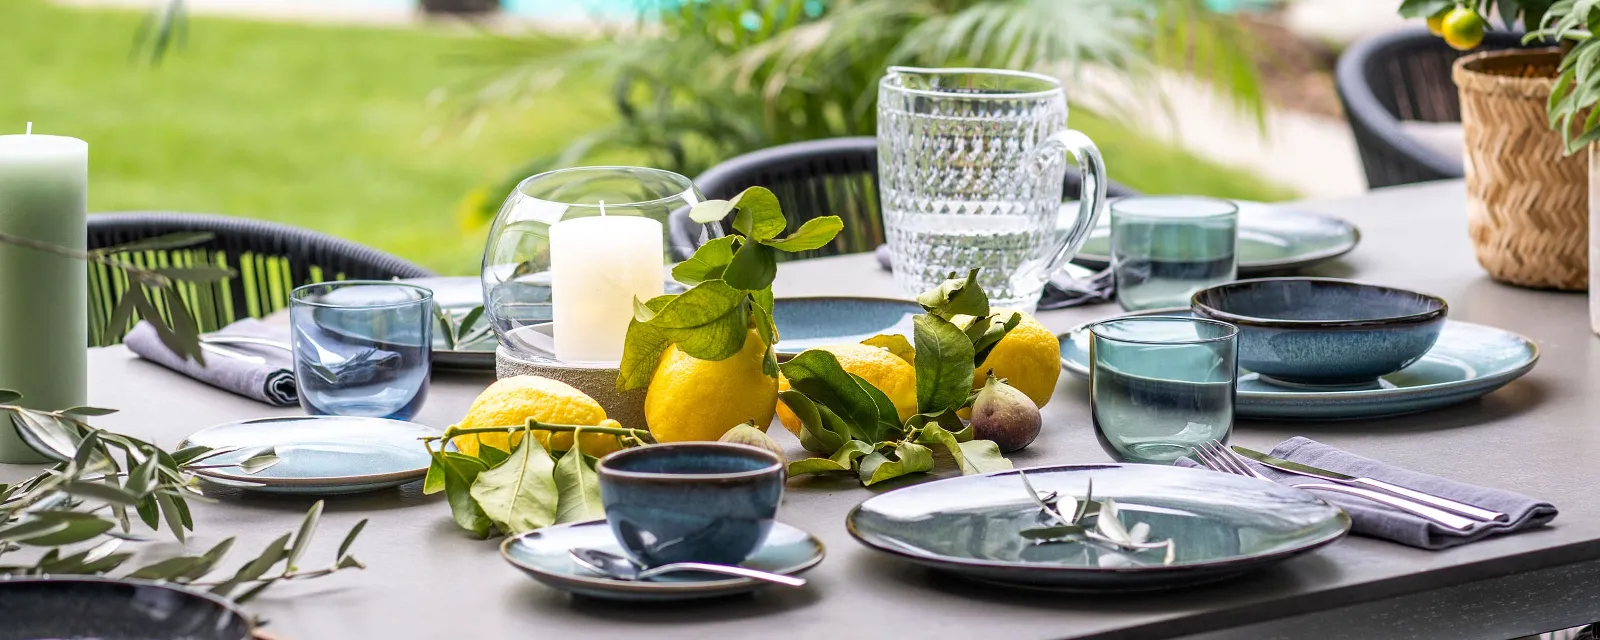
(944, 364)
(813, 234)
(8, 396)
(520, 495)
(577, 488)
(163, 242)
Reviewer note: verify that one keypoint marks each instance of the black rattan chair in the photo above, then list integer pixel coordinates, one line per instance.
(1401, 76)
(835, 176)
(271, 260)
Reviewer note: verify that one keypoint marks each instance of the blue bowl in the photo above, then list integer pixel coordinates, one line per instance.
(1322, 331)
(691, 501)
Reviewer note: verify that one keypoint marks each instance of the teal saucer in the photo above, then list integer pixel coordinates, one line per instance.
(1469, 360)
(805, 323)
(544, 555)
(320, 454)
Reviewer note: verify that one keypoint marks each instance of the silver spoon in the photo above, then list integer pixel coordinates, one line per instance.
(622, 568)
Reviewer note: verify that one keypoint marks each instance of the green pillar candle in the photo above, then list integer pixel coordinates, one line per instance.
(44, 297)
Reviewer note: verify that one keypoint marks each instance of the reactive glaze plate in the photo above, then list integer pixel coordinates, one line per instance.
(1468, 361)
(804, 323)
(543, 555)
(320, 454)
(1271, 239)
(122, 609)
(1221, 525)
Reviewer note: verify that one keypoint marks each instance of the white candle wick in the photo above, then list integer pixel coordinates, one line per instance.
(602, 207)
(30, 129)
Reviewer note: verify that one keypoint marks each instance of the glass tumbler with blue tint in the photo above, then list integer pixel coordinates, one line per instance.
(1159, 386)
(1166, 248)
(361, 348)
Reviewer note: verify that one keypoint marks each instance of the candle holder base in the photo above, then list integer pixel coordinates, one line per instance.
(598, 382)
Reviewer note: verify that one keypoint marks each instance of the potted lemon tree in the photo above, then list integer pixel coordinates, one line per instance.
(1527, 193)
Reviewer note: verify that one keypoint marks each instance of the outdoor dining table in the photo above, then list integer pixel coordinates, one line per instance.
(1540, 435)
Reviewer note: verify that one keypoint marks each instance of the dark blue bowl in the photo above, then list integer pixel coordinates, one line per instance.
(1322, 331)
(691, 501)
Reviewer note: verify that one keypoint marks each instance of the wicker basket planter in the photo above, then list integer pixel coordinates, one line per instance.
(1527, 203)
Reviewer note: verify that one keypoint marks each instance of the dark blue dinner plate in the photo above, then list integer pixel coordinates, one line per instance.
(805, 323)
(1221, 526)
(106, 609)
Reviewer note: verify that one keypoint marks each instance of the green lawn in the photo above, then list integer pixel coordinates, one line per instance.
(331, 127)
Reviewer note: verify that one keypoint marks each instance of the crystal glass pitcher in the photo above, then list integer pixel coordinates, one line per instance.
(971, 164)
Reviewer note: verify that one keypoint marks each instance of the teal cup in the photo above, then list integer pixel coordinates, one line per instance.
(691, 501)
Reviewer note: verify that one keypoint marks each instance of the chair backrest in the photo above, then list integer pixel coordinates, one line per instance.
(1400, 76)
(270, 259)
(835, 176)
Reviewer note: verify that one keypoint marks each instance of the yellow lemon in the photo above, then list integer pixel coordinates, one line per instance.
(1436, 23)
(510, 402)
(890, 373)
(1462, 28)
(694, 399)
(1029, 358)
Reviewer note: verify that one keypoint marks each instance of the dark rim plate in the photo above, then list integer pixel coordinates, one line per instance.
(1296, 238)
(1468, 361)
(212, 617)
(808, 322)
(404, 434)
(977, 510)
(800, 551)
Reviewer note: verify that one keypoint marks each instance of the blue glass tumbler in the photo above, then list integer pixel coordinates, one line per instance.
(362, 348)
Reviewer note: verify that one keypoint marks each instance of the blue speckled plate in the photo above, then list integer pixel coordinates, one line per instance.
(804, 323)
(119, 609)
(543, 555)
(1221, 525)
(1468, 361)
(321, 454)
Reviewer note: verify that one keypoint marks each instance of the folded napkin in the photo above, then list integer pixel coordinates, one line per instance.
(1061, 292)
(1379, 521)
(271, 382)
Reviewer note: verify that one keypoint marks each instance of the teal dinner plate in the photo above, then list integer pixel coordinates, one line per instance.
(805, 323)
(1271, 239)
(457, 296)
(320, 454)
(1221, 526)
(115, 609)
(1468, 361)
(543, 554)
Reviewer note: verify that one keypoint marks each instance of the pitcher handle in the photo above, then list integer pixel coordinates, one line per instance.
(1093, 199)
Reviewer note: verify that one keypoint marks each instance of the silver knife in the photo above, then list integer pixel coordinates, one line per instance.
(1290, 466)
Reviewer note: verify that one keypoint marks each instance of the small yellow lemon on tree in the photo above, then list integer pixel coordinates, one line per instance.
(1462, 23)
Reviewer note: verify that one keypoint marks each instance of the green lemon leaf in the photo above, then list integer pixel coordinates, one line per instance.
(817, 434)
(896, 344)
(1424, 8)
(641, 354)
(815, 466)
(708, 321)
(974, 456)
(909, 458)
(759, 216)
(944, 364)
(956, 297)
(852, 451)
(492, 456)
(888, 415)
(710, 211)
(983, 343)
(460, 473)
(753, 267)
(814, 234)
(817, 374)
(577, 488)
(434, 481)
(520, 495)
(707, 263)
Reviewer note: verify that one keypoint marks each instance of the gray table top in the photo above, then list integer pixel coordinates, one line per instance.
(428, 579)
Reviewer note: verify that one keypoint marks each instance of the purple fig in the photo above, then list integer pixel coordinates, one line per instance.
(1005, 415)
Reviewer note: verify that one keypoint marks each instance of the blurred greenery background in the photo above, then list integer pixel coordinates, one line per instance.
(391, 136)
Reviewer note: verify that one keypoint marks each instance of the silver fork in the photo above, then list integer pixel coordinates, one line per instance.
(1215, 456)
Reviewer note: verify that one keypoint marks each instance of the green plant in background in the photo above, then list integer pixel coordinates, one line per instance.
(83, 504)
(1462, 22)
(697, 82)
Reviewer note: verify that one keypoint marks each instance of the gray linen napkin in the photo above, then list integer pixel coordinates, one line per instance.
(1061, 292)
(271, 382)
(1379, 521)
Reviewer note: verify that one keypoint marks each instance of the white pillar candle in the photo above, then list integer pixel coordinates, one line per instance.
(44, 318)
(598, 265)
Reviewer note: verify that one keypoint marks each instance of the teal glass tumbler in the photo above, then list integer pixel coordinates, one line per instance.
(1159, 386)
(1166, 248)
